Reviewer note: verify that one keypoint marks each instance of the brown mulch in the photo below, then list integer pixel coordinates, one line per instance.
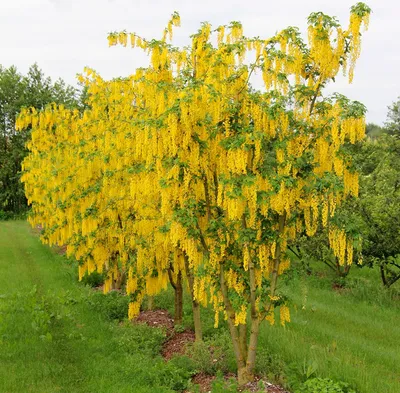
(157, 318)
(177, 343)
(268, 387)
(205, 384)
(37, 230)
(204, 381)
(274, 388)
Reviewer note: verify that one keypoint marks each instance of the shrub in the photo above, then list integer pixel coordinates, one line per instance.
(177, 373)
(112, 305)
(319, 385)
(212, 354)
(140, 338)
(93, 280)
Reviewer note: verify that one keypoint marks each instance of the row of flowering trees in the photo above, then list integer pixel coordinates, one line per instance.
(184, 171)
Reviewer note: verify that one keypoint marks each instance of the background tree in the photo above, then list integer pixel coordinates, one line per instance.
(17, 91)
(374, 130)
(392, 124)
(379, 206)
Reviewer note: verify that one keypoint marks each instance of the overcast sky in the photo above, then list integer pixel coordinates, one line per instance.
(64, 36)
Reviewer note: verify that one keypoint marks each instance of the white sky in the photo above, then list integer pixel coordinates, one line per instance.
(64, 36)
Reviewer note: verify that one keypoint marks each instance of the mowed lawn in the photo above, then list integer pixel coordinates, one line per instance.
(52, 339)
(350, 335)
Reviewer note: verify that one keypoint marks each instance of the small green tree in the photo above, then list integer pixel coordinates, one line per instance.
(379, 206)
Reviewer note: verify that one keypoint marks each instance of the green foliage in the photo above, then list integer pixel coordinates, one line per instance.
(221, 385)
(374, 131)
(141, 339)
(272, 366)
(7, 215)
(380, 206)
(113, 305)
(177, 373)
(319, 385)
(43, 312)
(17, 91)
(214, 353)
(392, 124)
(94, 279)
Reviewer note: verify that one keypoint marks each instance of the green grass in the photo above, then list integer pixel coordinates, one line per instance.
(59, 336)
(350, 335)
(52, 339)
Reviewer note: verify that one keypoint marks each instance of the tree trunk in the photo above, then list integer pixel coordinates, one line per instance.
(236, 334)
(251, 355)
(197, 320)
(150, 303)
(243, 338)
(383, 275)
(244, 375)
(178, 289)
(195, 304)
(178, 300)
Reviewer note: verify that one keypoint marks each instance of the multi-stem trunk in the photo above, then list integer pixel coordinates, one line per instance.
(195, 304)
(246, 354)
(238, 333)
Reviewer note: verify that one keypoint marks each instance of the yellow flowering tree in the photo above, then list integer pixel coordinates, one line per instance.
(197, 171)
(80, 178)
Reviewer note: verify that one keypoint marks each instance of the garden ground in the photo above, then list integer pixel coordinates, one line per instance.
(57, 335)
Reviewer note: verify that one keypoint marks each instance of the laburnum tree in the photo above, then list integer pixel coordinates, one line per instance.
(184, 165)
(77, 178)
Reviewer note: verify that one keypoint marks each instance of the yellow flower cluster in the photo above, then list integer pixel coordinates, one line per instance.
(341, 245)
(284, 314)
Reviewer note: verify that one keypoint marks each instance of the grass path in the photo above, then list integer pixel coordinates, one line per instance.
(51, 340)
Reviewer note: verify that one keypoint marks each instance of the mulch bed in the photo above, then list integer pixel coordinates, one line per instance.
(61, 250)
(204, 381)
(205, 384)
(274, 388)
(177, 343)
(157, 318)
(268, 387)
